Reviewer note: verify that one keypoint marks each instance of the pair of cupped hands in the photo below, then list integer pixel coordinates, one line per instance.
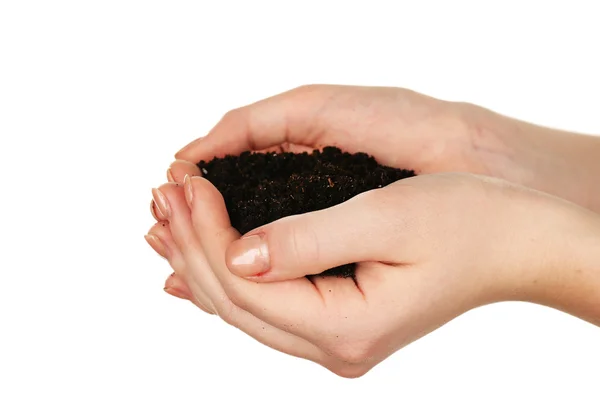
(484, 221)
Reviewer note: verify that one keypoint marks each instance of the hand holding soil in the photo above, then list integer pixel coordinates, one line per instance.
(426, 248)
(408, 130)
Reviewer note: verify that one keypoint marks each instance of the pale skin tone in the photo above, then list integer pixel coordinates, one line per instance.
(428, 248)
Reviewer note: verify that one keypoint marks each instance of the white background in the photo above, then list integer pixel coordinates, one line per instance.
(96, 97)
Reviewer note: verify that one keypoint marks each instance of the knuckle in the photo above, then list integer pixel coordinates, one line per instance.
(307, 88)
(350, 371)
(225, 309)
(304, 241)
(381, 205)
(235, 296)
(231, 114)
(294, 241)
(311, 91)
(351, 352)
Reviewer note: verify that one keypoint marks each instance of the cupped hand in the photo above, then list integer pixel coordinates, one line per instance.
(408, 130)
(400, 128)
(427, 249)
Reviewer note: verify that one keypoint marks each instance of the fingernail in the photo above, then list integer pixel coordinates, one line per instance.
(189, 190)
(175, 292)
(170, 175)
(248, 256)
(162, 204)
(156, 244)
(153, 211)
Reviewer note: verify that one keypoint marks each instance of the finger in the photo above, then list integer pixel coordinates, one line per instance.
(153, 211)
(276, 338)
(160, 239)
(160, 233)
(303, 307)
(169, 197)
(271, 149)
(296, 148)
(177, 287)
(292, 117)
(286, 147)
(180, 168)
(200, 271)
(310, 243)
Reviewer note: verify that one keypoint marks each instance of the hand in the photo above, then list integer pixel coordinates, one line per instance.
(428, 249)
(408, 130)
(400, 128)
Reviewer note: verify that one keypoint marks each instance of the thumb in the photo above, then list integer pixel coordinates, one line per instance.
(310, 243)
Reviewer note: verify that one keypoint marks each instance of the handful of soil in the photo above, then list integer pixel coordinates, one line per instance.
(259, 188)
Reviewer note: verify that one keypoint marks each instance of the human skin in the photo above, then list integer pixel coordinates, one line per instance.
(423, 259)
(408, 130)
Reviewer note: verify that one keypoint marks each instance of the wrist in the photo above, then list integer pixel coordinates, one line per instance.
(563, 163)
(567, 273)
(558, 162)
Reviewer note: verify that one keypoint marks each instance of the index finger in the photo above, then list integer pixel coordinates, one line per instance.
(290, 117)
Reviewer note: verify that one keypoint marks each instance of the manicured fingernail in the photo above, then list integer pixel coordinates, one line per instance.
(164, 211)
(170, 175)
(248, 256)
(175, 292)
(153, 211)
(189, 190)
(156, 244)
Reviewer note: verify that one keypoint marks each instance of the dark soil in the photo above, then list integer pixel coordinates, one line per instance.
(259, 188)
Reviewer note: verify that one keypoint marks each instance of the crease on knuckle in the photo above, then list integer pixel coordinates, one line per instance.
(226, 310)
(235, 295)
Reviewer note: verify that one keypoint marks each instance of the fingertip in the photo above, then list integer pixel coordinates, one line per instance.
(202, 189)
(176, 293)
(156, 244)
(188, 150)
(180, 168)
(172, 280)
(176, 286)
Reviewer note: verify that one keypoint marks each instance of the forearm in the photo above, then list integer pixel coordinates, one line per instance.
(568, 277)
(558, 162)
(564, 163)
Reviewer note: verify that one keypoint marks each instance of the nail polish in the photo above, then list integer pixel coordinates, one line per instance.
(249, 256)
(164, 211)
(170, 175)
(152, 211)
(189, 190)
